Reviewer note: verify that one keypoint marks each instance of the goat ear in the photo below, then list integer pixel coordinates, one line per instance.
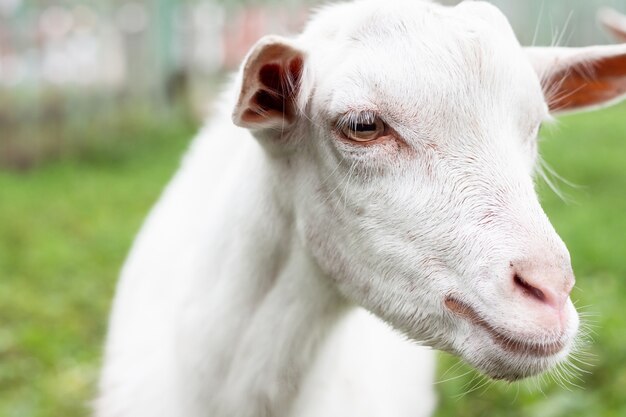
(576, 79)
(613, 22)
(270, 84)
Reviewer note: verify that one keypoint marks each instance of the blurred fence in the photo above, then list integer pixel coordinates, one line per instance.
(70, 67)
(64, 64)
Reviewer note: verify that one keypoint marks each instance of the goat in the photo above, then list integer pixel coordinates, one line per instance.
(373, 201)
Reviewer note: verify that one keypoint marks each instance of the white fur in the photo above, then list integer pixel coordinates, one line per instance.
(244, 292)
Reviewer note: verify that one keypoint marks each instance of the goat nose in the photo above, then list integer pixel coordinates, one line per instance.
(547, 285)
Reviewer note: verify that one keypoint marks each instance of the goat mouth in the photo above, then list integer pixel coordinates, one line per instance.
(506, 342)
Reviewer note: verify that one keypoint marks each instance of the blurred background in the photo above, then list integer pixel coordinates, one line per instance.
(98, 101)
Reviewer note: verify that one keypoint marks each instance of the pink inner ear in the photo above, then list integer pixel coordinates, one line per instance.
(587, 84)
(270, 76)
(276, 93)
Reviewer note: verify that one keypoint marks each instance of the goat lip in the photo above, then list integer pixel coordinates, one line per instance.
(506, 342)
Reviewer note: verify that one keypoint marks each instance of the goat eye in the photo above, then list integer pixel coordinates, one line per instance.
(364, 131)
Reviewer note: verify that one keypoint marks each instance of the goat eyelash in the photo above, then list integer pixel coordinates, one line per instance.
(352, 119)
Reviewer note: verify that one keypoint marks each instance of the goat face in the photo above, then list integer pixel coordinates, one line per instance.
(405, 135)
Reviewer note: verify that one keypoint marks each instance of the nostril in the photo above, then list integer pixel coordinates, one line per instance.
(540, 281)
(529, 289)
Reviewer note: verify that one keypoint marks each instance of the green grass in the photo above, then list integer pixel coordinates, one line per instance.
(65, 229)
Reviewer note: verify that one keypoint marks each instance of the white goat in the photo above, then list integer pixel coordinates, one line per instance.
(382, 161)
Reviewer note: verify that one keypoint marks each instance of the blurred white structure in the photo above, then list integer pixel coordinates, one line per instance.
(127, 45)
(65, 62)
